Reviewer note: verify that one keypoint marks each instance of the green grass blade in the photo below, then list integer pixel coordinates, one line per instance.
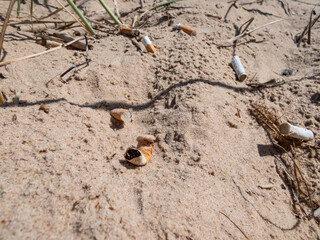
(18, 7)
(31, 8)
(110, 12)
(83, 19)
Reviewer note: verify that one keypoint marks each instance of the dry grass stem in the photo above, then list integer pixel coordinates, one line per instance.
(39, 54)
(251, 31)
(4, 27)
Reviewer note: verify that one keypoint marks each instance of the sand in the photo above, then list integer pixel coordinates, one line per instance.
(213, 173)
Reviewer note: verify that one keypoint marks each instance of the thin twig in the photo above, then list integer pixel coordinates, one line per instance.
(35, 22)
(70, 13)
(309, 30)
(306, 30)
(248, 32)
(235, 225)
(4, 27)
(55, 12)
(38, 54)
(300, 173)
(247, 24)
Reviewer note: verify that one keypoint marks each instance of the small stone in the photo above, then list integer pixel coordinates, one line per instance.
(287, 72)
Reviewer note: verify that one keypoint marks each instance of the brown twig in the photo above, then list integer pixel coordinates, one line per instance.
(309, 30)
(235, 225)
(299, 171)
(4, 27)
(247, 24)
(306, 30)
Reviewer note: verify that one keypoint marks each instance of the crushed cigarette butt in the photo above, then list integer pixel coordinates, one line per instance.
(141, 154)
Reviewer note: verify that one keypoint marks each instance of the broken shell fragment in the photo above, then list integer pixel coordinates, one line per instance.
(290, 130)
(238, 68)
(186, 29)
(121, 114)
(129, 31)
(141, 154)
(148, 44)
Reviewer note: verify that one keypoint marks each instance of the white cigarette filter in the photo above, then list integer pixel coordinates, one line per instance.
(148, 44)
(129, 31)
(290, 130)
(186, 29)
(141, 154)
(121, 114)
(239, 69)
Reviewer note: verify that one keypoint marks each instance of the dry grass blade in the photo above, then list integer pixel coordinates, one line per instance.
(76, 19)
(271, 124)
(117, 9)
(309, 30)
(56, 11)
(235, 225)
(306, 29)
(251, 31)
(4, 27)
(38, 54)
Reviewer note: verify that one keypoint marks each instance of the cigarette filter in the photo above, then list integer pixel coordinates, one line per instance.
(186, 29)
(141, 154)
(129, 31)
(121, 114)
(2, 100)
(296, 132)
(239, 69)
(148, 44)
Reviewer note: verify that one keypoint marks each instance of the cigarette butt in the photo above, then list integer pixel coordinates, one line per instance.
(141, 154)
(2, 100)
(290, 130)
(148, 44)
(186, 29)
(121, 114)
(238, 68)
(129, 31)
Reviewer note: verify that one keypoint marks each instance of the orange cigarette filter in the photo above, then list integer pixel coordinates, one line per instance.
(141, 154)
(121, 114)
(2, 100)
(129, 31)
(148, 44)
(186, 29)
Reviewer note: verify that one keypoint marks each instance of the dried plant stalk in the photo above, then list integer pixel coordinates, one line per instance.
(4, 27)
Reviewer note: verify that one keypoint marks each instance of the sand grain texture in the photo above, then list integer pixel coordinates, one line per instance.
(63, 174)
